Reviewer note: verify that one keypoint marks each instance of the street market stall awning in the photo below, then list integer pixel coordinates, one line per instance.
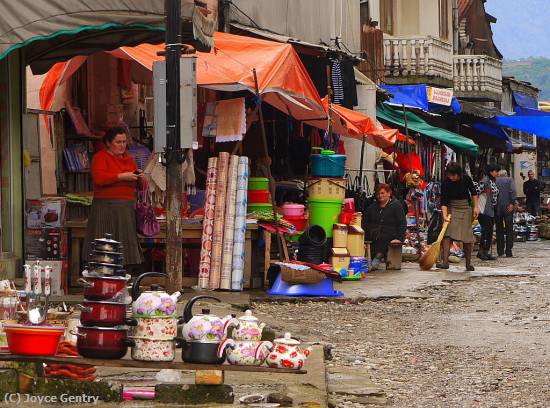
(416, 124)
(283, 81)
(359, 125)
(537, 125)
(52, 31)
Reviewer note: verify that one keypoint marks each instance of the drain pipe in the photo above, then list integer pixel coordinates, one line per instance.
(456, 26)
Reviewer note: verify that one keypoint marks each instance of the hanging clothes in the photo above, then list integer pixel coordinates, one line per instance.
(337, 82)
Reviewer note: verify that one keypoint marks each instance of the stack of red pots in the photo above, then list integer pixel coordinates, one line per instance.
(295, 214)
(103, 332)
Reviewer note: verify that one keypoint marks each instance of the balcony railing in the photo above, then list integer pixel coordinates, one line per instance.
(477, 76)
(415, 57)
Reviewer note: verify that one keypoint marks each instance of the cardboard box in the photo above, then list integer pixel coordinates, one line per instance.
(49, 244)
(59, 272)
(46, 212)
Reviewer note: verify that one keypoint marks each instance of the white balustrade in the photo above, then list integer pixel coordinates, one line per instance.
(418, 57)
(477, 73)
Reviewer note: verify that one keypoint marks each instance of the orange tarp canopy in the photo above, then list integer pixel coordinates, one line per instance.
(282, 79)
(357, 125)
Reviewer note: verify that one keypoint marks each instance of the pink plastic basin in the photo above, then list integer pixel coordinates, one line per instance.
(294, 210)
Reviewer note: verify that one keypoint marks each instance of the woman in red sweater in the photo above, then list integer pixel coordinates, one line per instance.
(115, 176)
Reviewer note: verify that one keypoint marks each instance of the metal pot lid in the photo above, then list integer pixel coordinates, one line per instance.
(93, 275)
(106, 253)
(248, 317)
(288, 340)
(106, 265)
(108, 239)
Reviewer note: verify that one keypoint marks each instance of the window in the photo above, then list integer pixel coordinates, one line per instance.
(364, 12)
(444, 19)
(386, 16)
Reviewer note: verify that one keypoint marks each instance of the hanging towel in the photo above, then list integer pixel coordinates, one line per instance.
(225, 120)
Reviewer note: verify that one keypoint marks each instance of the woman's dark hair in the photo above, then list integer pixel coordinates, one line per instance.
(385, 187)
(492, 167)
(455, 169)
(111, 133)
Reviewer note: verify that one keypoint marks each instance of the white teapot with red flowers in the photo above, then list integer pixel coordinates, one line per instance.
(287, 353)
(248, 329)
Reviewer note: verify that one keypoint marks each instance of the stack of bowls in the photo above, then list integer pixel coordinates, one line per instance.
(104, 326)
(259, 200)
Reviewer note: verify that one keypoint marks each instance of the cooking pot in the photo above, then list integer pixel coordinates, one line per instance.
(158, 328)
(106, 244)
(107, 257)
(108, 269)
(106, 314)
(103, 342)
(146, 349)
(201, 352)
(104, 288)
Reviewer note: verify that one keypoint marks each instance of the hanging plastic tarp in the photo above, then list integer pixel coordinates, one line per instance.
(537, 125)
(417, 124)
(52, 31)
(412, 96)
(524, 101)
(358, 125)
(530, 112)
(283, 81)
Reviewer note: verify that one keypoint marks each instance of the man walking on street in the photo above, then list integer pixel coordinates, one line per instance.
(504, 218)
(531, 189)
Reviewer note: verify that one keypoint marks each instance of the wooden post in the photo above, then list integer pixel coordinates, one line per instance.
(173, 153)
(272, 188)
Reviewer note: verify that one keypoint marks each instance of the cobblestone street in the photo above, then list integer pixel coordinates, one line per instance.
(479, 341)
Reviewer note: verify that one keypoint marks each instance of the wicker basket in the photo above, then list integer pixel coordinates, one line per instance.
(544, 231)
(306, 276)
(327, 188)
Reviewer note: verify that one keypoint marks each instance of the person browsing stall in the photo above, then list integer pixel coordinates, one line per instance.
(487, 191)
(384, 223)
(458, 193)
(532, 189)
(115, 178)
(506, 205)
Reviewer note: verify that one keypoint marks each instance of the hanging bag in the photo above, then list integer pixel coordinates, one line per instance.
(146, 221)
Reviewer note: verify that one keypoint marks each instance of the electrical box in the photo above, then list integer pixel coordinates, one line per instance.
(188, 103)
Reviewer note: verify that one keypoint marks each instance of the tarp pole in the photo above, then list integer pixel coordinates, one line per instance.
(362, 157)
(281, 246)
(173, 152)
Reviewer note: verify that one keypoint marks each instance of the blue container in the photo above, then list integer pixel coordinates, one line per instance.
(328, 165)
(324, 288)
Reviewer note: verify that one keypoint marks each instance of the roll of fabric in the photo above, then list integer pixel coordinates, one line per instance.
(239, 235)
(208, 223)
(219, 220)
(229, 227)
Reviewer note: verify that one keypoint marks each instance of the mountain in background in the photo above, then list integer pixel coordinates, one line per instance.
(535, 70)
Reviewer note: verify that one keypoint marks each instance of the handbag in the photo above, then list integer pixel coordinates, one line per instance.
(146, 221)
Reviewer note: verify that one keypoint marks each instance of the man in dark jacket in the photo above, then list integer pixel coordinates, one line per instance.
(506, 204)
(531, 189)
(384, 222)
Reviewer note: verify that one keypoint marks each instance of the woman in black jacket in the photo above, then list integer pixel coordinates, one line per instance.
(384, 223)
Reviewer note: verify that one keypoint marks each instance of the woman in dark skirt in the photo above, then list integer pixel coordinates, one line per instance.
(458, 193)
(384, 223)
(115, 176)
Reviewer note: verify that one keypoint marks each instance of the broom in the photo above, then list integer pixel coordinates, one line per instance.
(427, 260)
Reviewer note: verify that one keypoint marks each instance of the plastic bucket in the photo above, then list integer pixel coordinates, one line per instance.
(324, 213)
(261, 208)
(258, 183)
(323, 165)
(294, 210)
(298, 222)
(327, 188)
(258, 196)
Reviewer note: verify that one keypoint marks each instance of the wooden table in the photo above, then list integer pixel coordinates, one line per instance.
(156, 365)
(191, 232)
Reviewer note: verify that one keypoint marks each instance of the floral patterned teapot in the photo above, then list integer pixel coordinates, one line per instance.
(287, 353)
(154, 302)
(205, 327)
(248, 329)
(242, 352)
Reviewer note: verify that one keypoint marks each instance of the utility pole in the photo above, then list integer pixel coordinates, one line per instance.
(174, 154)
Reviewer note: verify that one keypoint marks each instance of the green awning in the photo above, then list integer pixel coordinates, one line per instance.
(417, 124)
